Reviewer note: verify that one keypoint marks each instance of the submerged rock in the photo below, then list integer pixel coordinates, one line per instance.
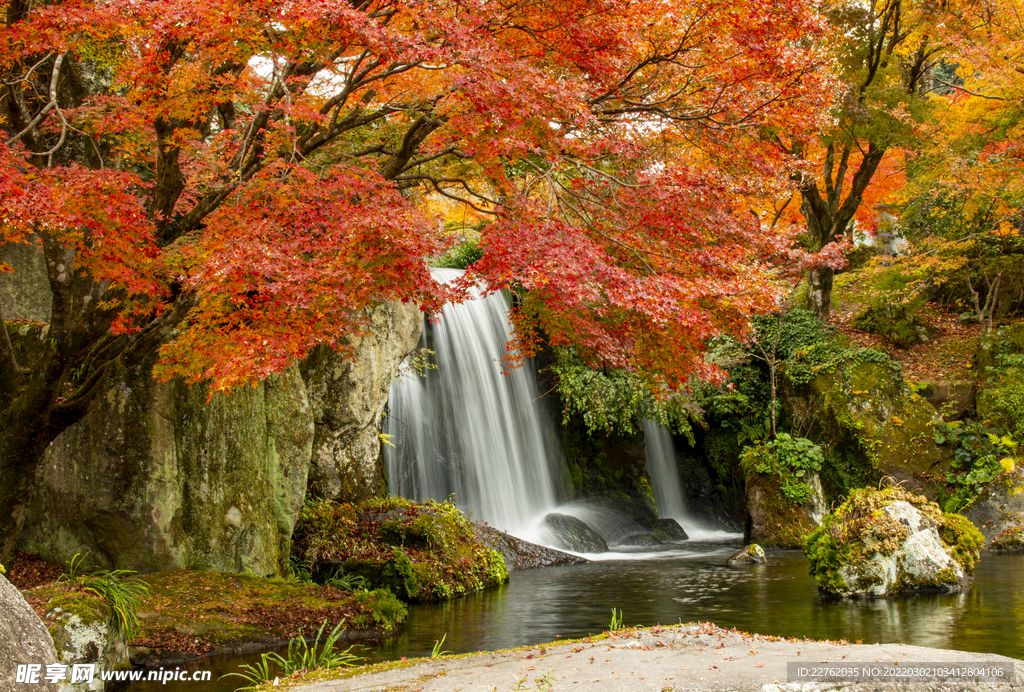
(751, 553)
(887, 542)
(23, 639)
(574, 534)
(642, 539)
(669, 530)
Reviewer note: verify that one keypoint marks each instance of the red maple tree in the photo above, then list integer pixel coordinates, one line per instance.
(235, 182)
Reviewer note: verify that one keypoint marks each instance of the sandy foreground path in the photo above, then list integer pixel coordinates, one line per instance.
(692, 657)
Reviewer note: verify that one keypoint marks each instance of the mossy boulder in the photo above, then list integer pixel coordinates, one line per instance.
(782, 507)
(1000, 506)
(1009, 540)
(751, 554)
(868, 406)
(889, 542)
(83, 630)
(421, 552)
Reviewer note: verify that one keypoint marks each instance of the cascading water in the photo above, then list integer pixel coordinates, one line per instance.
(661, 466)
(468, 431)
(669, 493)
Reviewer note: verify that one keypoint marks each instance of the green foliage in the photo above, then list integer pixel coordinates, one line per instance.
(788, 458)
(300, 657)
(438, 644)
(426, 551)
(1001, 400)
(118, 588)
(964, 538)
(616, 623)
(459, 256)
(614, 401)
(980, 456)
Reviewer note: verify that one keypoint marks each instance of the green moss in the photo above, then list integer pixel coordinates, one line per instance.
(860, 528)
(1009, 540)
(420, 552)
(203, 611)
(964, 538)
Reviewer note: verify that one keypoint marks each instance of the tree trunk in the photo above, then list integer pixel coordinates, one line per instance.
(819, 292)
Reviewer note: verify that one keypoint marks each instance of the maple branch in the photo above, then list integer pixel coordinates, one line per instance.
(437, 185)
(968, 91)
(50, 105)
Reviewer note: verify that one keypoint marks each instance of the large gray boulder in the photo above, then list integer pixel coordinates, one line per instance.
(348, 396)
(23, 640)
(155, 477)
(889, 542)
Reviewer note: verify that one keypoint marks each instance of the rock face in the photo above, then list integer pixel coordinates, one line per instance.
(888, 542)
(873, 411)
(348, 397)
(574, 534)
(1000, 507)
(23, 640)
(774, 521)
(155, 478)
(25, 294)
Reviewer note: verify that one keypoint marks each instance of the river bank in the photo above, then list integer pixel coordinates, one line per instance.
(687, 657)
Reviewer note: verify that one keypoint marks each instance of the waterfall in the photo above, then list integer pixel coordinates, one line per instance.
(661, 466)
(465, 430)
(669, 494)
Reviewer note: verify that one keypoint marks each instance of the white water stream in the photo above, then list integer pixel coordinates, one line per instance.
(668, 489)
(466, 430)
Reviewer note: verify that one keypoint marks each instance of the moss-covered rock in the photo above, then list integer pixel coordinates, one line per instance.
(1000, 506)
(1009, 540)
(347, 397)
(866, 405)
(156, 477)
(892, 541)
(785, 501)
(421, 552)
(899, 324)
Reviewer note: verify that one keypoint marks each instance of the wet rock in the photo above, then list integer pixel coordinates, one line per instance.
(669, 530)
(574, 534)
(752, 553)
(520, 554)
(643, 539)
(23, 640)
(891, 541)
(999, 507)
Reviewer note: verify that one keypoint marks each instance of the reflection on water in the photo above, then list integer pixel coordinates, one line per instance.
(779, 598)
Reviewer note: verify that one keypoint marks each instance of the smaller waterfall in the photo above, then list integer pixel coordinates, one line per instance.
(661, 466)
(466, 430)
(660, 457)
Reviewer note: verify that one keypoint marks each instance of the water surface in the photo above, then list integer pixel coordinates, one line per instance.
(692, 584)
